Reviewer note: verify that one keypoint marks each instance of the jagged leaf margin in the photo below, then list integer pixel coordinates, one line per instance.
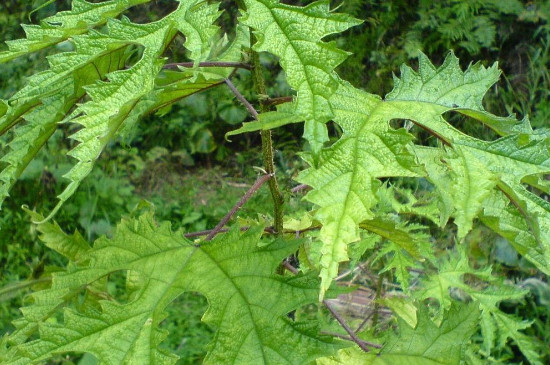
(248, 304)
(295, 34)
(55, 29)
(127, 96)
(345, 180)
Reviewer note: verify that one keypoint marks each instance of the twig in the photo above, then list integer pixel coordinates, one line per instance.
(206, 232)
(209, 64)
(367, 343)
(237, 206)
(242, 99)
(364, 322)
(289, 267)
(344, 325)
(298, 188)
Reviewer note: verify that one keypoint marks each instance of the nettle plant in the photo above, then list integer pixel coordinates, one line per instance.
(255, 294)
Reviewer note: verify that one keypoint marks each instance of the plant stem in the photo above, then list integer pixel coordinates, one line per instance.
(261, 180)
(279, 100)
(242, 99)
(350, 332)
(298, 188)
(267, 143)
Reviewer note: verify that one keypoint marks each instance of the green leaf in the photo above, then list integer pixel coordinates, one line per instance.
(294, 34)
(426, 344)
(80, 19)
(248, 304)
(345, 181)
(403, 308)
(284, 115)
(406, 245)
(507, 220)
(465, 170)
(72, 247)
(118, 97)
(476, 168)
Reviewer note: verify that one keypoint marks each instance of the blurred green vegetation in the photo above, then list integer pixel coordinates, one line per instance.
(179, 162)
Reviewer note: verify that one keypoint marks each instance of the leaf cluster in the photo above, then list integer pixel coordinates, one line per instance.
(112, 72)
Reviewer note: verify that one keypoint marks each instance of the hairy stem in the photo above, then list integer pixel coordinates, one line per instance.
(267, 143)
(242, 99)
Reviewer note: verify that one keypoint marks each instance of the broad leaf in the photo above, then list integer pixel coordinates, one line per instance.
(466, 170)
(248, 304)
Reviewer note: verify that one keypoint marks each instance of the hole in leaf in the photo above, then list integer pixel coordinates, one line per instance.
(187, 334)
(470, 126)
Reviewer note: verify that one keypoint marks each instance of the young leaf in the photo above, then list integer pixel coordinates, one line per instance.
(405, 246)
(248, 304)
(345, 180)
(294, 34)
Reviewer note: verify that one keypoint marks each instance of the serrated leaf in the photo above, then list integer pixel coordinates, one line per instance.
(80, 19)
(117, 103)
(345, 180)
(426, 344)
(405, 246)
(295, 34)
(248, 304)
(72, 247)
(506, 219)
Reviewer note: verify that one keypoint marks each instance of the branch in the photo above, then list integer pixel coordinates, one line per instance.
(208, 64)
(364, 346)
(242, 99)
(237, 206)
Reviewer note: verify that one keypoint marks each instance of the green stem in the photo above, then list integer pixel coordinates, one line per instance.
(267, 143)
